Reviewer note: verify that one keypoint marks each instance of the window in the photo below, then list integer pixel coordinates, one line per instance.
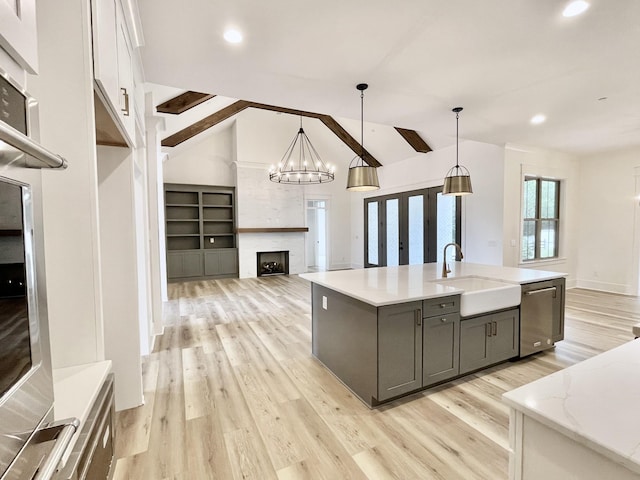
(541, 218)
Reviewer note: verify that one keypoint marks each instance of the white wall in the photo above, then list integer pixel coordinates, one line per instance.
(482, 214)
(205, 162)
(521, 161)
(64, 89)
(119, 273)
(609, 226)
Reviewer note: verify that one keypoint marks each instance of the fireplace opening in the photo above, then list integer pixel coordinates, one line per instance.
(273, 263)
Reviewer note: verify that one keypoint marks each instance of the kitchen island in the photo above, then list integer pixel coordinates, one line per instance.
(580, 422)
(386, 332)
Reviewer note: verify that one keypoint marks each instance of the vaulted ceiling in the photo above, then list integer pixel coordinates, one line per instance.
(502, 60)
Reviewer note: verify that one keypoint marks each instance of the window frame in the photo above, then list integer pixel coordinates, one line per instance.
(538, 219)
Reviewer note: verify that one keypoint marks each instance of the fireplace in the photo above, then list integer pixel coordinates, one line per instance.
(272, 263)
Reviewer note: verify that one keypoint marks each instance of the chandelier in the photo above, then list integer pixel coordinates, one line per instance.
(301, 164)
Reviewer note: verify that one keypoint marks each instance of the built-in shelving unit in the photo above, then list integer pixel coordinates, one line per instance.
(200, 229)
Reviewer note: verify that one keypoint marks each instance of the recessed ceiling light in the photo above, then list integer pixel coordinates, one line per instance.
(232, 35)
(575, 8)
(538, 119)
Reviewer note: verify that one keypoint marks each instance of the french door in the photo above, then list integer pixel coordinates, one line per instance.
(409, 228)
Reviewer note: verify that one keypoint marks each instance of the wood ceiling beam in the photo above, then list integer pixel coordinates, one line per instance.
(414, 139)
(240, 105)
(204, 124)
(348, 140)
(183, 102)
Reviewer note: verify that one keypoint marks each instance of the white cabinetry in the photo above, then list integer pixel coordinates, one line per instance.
(112, 63)
(18, 32)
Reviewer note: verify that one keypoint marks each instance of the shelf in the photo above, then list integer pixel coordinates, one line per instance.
(272, 230)
(200, 223)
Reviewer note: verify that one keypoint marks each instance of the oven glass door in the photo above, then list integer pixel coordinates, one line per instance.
(15, 344)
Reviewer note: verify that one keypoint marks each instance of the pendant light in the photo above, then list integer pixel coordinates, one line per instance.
(362, 177)
(304, 168)
(458, 181)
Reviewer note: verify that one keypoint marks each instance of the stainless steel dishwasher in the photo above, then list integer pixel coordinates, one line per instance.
(541, 315)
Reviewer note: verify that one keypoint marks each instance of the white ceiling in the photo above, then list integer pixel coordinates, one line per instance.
(502, 60)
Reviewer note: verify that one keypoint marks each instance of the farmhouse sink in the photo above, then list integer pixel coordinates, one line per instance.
(483, 295)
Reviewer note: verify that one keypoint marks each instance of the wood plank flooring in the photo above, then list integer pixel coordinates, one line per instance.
(233, 392)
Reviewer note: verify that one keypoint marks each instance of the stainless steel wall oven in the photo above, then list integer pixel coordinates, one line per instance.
(26, 388)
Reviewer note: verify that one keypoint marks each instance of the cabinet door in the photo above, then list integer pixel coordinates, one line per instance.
(19, 33)
(184, 264)
(505, 335)
(105, 56)
(399, 349)
(223, 261)
(558, 311)
(440, 348)
(126, 101)
(474, 343)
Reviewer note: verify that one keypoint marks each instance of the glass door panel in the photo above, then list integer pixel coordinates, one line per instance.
(373, 257)
(416, 229)
(393, 232)
(446, 208)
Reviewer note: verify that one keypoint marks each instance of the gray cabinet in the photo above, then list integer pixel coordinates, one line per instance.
(223, 261)
(399, 349)
(200, 229)
(488, 339)
(440, 339)
(440, 348)
(184, 264)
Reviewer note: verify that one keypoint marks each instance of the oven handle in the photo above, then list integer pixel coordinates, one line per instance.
(50, 465)
(23, 143)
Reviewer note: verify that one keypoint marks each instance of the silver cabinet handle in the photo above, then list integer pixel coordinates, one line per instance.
(443, 320)
(419, 317)
(495, 328)
(125, 110)
(487, 329)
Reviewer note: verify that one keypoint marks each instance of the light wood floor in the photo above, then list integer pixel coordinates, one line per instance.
(232, 392)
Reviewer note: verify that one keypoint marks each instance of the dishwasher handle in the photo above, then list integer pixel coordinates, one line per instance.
(542, 290)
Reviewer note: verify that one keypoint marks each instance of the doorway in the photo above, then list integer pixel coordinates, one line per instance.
(316, 243)
(410, 228)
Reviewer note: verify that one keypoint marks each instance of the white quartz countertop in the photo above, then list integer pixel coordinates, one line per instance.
(390, 285)
(594, 402)
(74, 391)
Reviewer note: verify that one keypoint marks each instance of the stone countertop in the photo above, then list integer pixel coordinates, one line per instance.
(74, 391)
(594, 402)
(391, 285)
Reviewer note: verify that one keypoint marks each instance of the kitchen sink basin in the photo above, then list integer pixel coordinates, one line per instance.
(483, 295)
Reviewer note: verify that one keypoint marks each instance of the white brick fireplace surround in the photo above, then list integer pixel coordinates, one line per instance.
(264, 204)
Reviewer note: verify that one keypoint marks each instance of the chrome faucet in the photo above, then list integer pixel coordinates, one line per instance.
(445, 269)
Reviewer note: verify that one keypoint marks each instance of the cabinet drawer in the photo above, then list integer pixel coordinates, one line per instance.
(440, 306)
